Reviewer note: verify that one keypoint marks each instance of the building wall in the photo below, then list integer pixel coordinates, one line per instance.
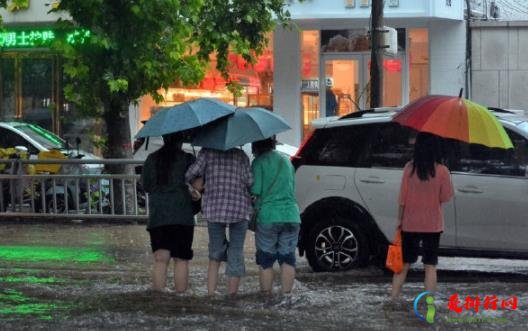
(499, 66)
(447, 53)
(447, 43)
(287, 82)
(339, 9)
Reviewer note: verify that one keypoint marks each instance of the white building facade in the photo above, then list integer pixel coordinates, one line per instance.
(329, 44)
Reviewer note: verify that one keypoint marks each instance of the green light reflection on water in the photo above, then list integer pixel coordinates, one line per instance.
(29, 280)
(16, 303)
(46, 254)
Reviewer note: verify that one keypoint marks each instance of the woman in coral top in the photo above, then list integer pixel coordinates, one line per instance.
(425, 186)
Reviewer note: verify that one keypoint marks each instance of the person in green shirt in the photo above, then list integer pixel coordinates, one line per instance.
(278, 220)
(171, 219)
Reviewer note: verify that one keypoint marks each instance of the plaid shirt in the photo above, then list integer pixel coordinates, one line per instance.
(228, 179)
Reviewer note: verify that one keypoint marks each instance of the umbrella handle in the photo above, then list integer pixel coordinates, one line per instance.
(460, 93)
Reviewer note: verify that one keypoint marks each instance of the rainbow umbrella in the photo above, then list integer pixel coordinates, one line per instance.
(456, 118)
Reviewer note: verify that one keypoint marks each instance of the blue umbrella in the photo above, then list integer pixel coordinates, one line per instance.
(185, 116)
(244, 126)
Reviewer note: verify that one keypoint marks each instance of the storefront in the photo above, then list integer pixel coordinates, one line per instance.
(256, 81)
(319, 67)
(31, 75)
(322, 68)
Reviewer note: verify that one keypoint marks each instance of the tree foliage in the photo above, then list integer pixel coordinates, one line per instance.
(137, 47)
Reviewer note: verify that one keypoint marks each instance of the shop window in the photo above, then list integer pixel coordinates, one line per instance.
(7, 89)
(28, 89)
(355, 40)
(418, 63)
(76, 124)
(309, 79)
(256, 81)
(37, 98)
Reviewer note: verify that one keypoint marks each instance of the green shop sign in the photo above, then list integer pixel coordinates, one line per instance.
(38, 38)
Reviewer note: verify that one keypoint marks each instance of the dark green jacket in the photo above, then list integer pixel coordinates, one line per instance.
(170, 201)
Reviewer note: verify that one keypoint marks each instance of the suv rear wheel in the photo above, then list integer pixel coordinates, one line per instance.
(336, 246)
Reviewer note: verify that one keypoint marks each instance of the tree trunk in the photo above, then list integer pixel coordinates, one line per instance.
(119, 146)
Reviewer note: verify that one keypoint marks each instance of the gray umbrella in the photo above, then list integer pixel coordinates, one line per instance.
(185, 116)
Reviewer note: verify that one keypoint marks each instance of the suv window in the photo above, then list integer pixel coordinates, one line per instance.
(337, 146)
(479, 159)
(391, 145)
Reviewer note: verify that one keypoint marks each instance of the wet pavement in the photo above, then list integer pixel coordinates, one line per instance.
(97, 276)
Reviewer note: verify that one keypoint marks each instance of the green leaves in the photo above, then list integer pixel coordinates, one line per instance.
(136, 47)
(119, 85)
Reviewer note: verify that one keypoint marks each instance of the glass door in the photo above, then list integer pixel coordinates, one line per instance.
(342, 90)
(8, 89)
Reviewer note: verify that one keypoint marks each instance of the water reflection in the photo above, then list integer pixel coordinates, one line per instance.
(30, 280)
(80, 276)
(15, 303)
(52, 254)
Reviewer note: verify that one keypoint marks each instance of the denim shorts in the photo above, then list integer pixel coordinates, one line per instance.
(232, 250)
(276, 242)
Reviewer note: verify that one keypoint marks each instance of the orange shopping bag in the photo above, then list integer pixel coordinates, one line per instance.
(394, 260)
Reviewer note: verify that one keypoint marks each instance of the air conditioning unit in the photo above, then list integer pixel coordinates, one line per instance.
(390, 41)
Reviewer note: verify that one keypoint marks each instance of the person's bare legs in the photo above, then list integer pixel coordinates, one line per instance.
(212, 276)
(430, 278)
(287, 277)
(232, 286)
(397, 281)
(181, 275)
(159, 272)
(266, 280)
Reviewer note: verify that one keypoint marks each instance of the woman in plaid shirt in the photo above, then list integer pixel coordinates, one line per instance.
(226, 204)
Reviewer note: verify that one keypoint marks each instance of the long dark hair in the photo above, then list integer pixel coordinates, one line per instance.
(262, 146)
(166, 155)
(425, 155)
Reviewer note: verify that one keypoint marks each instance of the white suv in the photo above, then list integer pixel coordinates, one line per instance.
(348, 176)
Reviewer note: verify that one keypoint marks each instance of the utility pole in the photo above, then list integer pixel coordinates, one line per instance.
(376, 54)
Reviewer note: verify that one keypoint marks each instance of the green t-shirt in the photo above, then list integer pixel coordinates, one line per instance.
(274, 188)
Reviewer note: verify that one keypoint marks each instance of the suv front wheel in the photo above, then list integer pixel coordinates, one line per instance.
(336, 246)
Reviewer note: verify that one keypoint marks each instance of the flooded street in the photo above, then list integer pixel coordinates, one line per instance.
(79, 276)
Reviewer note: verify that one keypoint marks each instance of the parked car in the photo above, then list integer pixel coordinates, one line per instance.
(37, 139)
(348, 176)
(34, 140)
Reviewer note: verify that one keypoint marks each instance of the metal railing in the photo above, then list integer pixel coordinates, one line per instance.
(75, 192)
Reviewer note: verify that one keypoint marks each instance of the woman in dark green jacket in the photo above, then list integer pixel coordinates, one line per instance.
(171, 219)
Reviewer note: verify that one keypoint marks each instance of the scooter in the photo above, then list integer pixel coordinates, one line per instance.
(83, 195)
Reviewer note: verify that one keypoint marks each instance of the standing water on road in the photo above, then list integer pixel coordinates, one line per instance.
(97, 276)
